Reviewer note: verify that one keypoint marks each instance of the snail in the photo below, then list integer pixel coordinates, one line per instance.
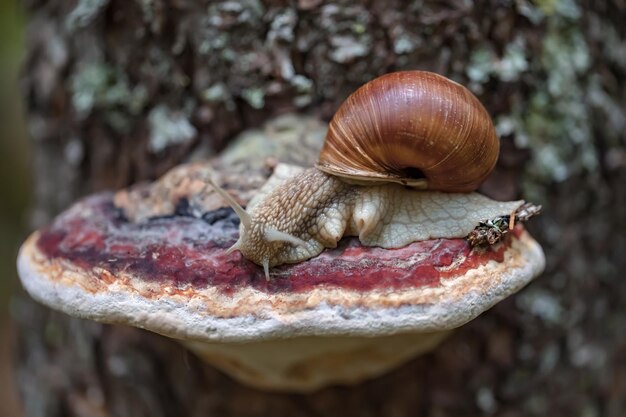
(399, 163)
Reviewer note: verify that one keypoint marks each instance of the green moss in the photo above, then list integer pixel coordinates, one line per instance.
(214, 43)
(216, 93)
(98, 85)
(219, 93)
(232, 13)
(514, 61)
(350, 37)
(147, 6)
(564, 8)
(255, 97)
(282, 26)
(558, 110)
(84, 13)
(481, 66)
(168, 127)
(160, 64)
(484, 64)
(612, 43)
(404, 44)
(554, 123)
(348, 48)
(304, 90)
(358, 28)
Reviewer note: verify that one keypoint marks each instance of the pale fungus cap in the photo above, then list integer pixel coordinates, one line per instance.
(154, 257)
(170, 274)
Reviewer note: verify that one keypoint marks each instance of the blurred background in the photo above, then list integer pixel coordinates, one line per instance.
(115, 92)
(15, 188)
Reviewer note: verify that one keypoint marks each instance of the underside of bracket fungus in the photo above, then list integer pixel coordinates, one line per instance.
(155, 256)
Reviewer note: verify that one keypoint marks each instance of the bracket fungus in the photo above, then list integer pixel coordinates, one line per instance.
(157, 257)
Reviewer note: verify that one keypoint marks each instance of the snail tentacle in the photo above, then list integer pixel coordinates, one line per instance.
(243, 215)
(273, 235)
(266, 268)
(235, 246)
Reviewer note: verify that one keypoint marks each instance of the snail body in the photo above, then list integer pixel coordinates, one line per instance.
(410, 128)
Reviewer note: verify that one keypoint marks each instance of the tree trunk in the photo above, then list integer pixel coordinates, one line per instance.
(120, 91)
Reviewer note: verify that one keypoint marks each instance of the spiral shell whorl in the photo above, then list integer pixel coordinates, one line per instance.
(412, 127)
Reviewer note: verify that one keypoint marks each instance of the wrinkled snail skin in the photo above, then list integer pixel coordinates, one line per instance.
(412, 124)
(414, 128)
(296, 220)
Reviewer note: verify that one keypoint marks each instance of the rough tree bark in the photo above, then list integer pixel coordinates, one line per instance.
(119, 91)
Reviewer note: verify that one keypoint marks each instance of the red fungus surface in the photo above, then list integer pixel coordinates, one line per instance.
(182, 250)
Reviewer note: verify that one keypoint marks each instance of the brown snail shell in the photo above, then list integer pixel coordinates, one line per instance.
(412, 127)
